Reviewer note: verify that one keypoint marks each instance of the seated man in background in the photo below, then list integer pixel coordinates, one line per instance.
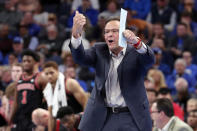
(163, 117)
(165, 93)
(192, 119)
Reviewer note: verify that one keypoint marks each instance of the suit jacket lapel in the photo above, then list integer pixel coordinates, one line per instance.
(172, 124)
(107, 58)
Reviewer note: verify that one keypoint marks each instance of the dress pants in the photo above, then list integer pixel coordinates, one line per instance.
(122, 121)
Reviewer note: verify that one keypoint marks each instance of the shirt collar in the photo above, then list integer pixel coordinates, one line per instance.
(123, 51)
(165, 128)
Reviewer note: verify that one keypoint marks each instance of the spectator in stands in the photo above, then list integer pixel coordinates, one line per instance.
(17, 46)
(5, 40)
(8, 98)
(139, 9)
(30, 42)
(16, 71)
(7, 103)
(167, 57)
(192, 119)
(10, 15)
(158, 78)
(143, 28)
(33, 28)
(191, 25)
(182, 95)
(189, 6)
(159, 64)
(180, 71)
(160, 33)
(191, 104)
(161, 12)
(10, 59)
(151, 94)
(112, 10)
(149, 82)
(88, 11)
(53, 20)
(67, 62)
(166, 93)
(96, 34)
(182, 41)
(76, 3)
(39, 15)
(27, 5)
(190, 68)
(164, 119)
(51, 45)
(6, 78)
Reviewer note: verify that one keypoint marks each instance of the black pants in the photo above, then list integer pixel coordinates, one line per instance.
(119, 122)
(23, 125)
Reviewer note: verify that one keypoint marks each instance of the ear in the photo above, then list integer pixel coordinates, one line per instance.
(162, 114)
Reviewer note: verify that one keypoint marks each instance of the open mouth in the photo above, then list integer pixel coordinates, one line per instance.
(110, 41)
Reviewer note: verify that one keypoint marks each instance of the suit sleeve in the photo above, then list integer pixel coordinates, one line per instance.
(83, 57)
(147, 59)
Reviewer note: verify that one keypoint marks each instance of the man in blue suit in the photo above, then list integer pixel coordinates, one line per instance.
(118, 101)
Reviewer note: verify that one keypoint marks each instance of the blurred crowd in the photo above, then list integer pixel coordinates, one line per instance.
(169, 27)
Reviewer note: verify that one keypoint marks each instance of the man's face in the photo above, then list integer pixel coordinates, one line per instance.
(28, 63)
(69, 61)
(151, 96)
(179, 67)
(155, 115)
(70, 72)
(51, 74)
(191, 106)
(70, 121)
(187, 57)
(17, 47)
(111, 34)
(192, 119)
(157, 29)
(12, 59)
(16, 72)
(181, 30)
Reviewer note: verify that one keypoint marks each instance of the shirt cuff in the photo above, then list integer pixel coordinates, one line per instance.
(143, 49)
(76, 42)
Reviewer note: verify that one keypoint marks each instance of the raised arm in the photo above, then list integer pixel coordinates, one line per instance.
(145, 53)
(79, 21)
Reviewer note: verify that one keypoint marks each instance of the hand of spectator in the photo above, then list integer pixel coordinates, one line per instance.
(79, 21)
(132, 39)
(176, 51)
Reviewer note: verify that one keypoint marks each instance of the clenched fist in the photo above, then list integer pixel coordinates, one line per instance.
(79, 21)
(132, 38)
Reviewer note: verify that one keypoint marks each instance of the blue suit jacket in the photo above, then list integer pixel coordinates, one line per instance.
(131, 73)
